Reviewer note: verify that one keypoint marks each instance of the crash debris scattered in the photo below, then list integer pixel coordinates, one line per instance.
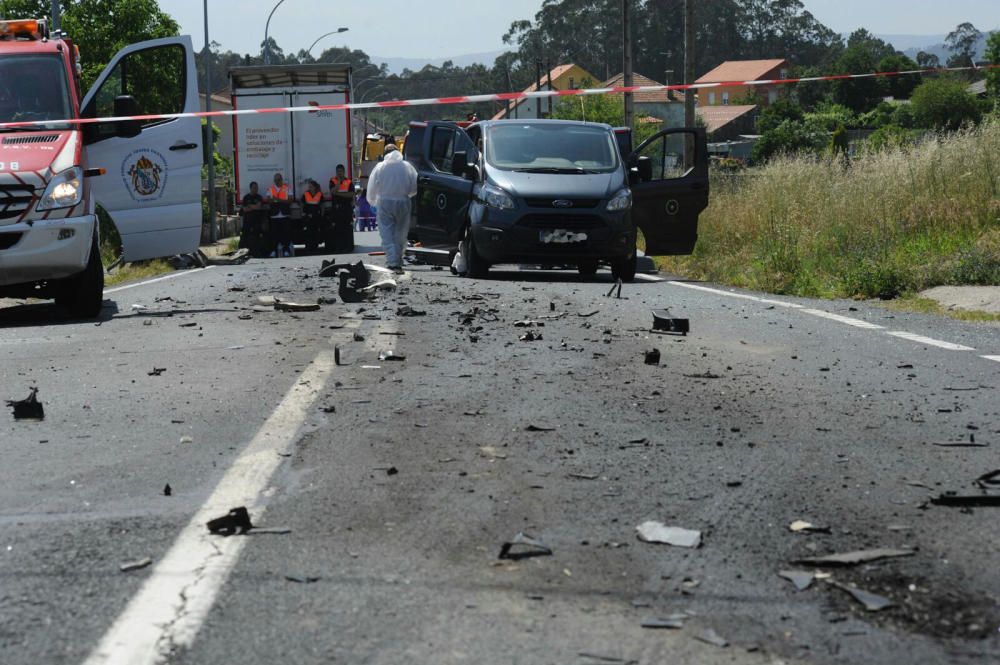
(235, 522)
(28, 408)
(523, 546)
(658, 532)
(854, 558)
(139, 564)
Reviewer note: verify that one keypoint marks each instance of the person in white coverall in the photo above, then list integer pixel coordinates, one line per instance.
(391, 185)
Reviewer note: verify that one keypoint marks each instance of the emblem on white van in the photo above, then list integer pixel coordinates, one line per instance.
(562, 203)
(145, 174)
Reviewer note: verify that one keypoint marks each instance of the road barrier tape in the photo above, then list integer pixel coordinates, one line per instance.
(491, 97)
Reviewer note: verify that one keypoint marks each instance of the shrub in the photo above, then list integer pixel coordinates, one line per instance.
(788, 138)
(944, 103)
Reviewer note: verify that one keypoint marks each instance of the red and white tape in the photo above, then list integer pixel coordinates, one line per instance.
(493, 97)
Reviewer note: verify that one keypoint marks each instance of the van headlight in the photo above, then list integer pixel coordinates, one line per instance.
(64, 191)
(620, 201)
(497, 198)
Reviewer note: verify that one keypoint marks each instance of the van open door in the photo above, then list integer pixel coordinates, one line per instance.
(669, 182)
(152, 187)
(444, 188)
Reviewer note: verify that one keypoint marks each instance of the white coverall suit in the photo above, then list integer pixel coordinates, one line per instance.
(391, 185)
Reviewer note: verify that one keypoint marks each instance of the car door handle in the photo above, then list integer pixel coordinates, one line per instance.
(423, 180)
(184, 146)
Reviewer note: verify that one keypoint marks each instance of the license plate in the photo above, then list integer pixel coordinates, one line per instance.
(561, 237)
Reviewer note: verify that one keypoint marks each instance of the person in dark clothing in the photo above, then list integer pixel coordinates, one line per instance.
(254, 221)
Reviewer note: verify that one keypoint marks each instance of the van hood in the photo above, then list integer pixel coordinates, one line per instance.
(559, 185)
(40, 153)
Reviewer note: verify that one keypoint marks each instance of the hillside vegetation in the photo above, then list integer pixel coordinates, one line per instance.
(885, 223)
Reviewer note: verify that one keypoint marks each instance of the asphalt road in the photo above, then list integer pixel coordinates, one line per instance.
(390, 486)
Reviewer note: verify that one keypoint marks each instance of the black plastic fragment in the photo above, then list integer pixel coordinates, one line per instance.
(526, 547)
(967, 501)
(653, 357)
(29, 408)
(236, 521)
(663, 322)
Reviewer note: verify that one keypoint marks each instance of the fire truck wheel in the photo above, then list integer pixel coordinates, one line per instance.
(83, 293)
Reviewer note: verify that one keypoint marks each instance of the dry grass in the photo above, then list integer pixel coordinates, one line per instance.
(889, 223)
(928, 306)
(131, 272)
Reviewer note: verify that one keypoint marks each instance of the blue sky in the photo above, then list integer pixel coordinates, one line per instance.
(391, 28)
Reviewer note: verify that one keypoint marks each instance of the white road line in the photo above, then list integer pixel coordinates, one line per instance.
(648, 278)
(857, 323)
(156, 279)
(993, 358)
(929, 341)
(174, 601)
(742, 296)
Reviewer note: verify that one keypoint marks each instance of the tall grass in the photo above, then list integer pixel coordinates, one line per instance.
(887, 222)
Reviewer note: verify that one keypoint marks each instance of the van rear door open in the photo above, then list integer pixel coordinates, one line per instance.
(152, 187)
(670, 189)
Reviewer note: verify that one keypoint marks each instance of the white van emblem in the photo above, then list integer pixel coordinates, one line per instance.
(144, 172)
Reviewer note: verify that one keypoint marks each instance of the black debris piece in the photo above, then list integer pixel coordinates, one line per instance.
(326, 300)
(703, 375)
(523, 546)
(406, 310)
(664, 322)
(391, 355)
(167, 490)
(673, 622)
(653, 357)
(283, 306)
(617, 285)
(28, 408)
(531, 336)
(441, 258)
(157, 371)
(989, 480)
(302, 579)
(953, 500)
(329, 409)
(971, 443)
(236, 521)
(709, 636)
(391, 471)
(539, 428)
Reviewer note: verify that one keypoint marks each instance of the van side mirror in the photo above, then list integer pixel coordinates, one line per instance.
(460, 163)
(126, 106)
(644, 167)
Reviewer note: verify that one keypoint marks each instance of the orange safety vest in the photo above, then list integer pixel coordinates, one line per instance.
(313, 198)
(342, 185)
(280, 194)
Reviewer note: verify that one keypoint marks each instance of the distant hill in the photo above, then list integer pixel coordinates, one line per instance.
(397, 65)
(911, 45)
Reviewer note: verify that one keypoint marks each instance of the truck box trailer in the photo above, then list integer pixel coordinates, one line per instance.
(301, 146)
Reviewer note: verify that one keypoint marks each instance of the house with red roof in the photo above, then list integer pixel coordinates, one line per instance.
(733, 72)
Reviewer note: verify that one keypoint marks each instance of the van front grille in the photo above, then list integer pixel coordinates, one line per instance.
(29, 140)
(15, 200)
(567, 222)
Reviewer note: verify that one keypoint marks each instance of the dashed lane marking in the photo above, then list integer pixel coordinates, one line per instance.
(857, 323)
(929, 341)
(175, 599)
(742, 296)
(156, 279)
(993, 358)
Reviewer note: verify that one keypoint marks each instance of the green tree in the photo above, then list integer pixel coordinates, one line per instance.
(993, 75)
(962, 42)
(777, 113)
(863, 54)
(928, 60)
(899, 87)
(790, 137)
(831, 116)
(945, 104)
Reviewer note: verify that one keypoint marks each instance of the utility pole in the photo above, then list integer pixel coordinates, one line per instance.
(538, 88)
(56, 15)
(548, 69)
(627, 58)
(689, 74)
(210, 135)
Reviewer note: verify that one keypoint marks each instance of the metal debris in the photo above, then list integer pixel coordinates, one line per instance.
(523, 546)
(531, 336)
(391, 355)
(236, 521)
(617, 285)
(664, 322)
(872, 601)
(302, 579)
(28, 408)
(674, 622)
(967, 501)
(800, 578)
(653, 357)
(156, 371)
(801, 526)
(989, 480)
(139, 564)
(406, 310)
(657, 532)
(854, 558)
(709, 636)
(539, 428)
(167, 490)
(282, 306)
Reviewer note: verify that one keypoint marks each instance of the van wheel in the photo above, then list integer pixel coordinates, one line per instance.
(587, 268)
(475, 266)
(83, 293)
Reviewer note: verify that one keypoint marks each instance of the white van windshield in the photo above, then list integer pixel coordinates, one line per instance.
(33, 87)
(551, 148)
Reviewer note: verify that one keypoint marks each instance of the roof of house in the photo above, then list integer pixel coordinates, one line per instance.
(978, 88)
(554, 75)
(717, 117)
(741, 70)
(658, 97)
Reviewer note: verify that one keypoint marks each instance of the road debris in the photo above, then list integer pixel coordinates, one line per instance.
(385, 286)
(529, 323)
(672, 622)
(236, 521)
(587, 315)
(490, 452)
(989, 480)
(186, 439)
(167, 490)
(138, 564)
(283, 306)
(801, 526)
(303, 579)
(657, 532)
(523, 546)
(971, 443)
(583, 476)
(854, 558)
(664, 322)
(954, 500)
(617, 285)
(709, 636)
(539, 428)
(391, 356)
(531, 336)
(872, 601)
(28, 408)
(406, 310)
(802, 579)
(156, 371)
(653, 357)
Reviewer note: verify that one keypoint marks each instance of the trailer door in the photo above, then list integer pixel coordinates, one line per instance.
(263, 142)
(321, 139)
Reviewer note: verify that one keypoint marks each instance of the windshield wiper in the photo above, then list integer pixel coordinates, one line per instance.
(550, 169)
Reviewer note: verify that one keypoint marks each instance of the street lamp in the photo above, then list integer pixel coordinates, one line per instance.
(335, 32)
(267, 26)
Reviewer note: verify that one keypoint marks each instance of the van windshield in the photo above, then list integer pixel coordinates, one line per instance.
(33, 87)
(551, 148)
